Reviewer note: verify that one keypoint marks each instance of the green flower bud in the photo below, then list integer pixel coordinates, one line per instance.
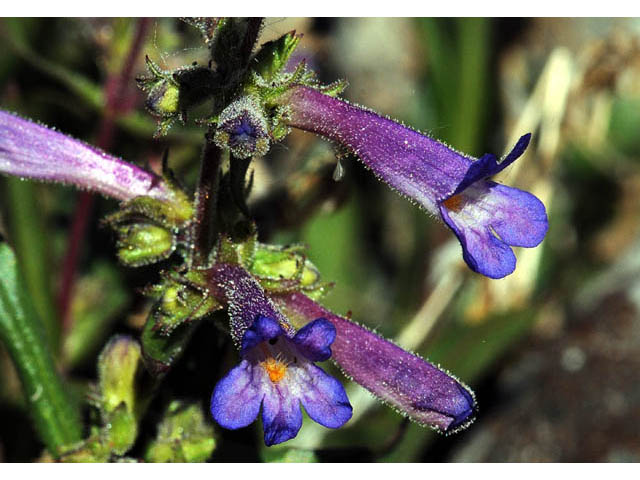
(117, 372)
(281, 269)
(144, 243)
(163, 99)
(117, 368)
(172, 92)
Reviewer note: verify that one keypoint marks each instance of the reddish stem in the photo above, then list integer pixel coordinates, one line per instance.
(116, 102)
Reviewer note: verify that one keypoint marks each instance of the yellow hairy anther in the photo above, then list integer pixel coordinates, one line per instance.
(275, 368)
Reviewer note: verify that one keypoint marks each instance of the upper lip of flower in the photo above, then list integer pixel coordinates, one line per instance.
(488, 165)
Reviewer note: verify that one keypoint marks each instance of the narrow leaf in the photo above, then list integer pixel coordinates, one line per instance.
(24, 337)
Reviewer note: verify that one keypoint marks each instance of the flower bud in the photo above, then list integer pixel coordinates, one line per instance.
(117, 368)
(170, 93)
(162, 100)
(243, 129)
(285, 269)
(144, 243)
(117, 371)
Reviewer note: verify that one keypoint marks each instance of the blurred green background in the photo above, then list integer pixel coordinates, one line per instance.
(552, 351)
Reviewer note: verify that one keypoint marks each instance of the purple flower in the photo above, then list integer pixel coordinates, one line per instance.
(277, 372)
(277, 369)
(30, 150)
(413, 386)
(487, 218)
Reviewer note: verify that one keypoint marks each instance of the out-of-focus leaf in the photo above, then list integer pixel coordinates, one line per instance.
(24, 337)
(458, 67)
(29, 237)
(337, 255)
(98, 299)
(91, 93)
(625, 125)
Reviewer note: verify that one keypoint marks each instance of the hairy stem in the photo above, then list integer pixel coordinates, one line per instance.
(206, 201)
(254, 24)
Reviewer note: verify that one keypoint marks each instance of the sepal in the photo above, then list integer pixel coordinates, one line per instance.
(206, 25)
(181, 299)
(142, 243)
(184, 435)
(272, 58)
(150, 230)
(170, 93)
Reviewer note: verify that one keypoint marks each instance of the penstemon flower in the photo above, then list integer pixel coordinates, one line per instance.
(425, 393)
(276, 366)
(488, 218)
(30, 150)
(277, 370)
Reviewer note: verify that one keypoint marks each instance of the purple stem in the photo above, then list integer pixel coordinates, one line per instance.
(206, 200)
(116, 103)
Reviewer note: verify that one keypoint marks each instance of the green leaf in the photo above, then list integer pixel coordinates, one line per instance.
(24, 336)
(27, 232)
(99, 298)
(624, 125)
(274, 55)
